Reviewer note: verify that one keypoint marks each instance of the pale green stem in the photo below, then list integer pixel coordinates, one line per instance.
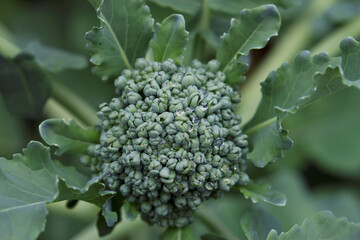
(296, 38)
(202, 26)
(124, 228)
(8, 49)
(53, 109)
(331, 43)
(74, 103)
(83, 210)
(214, 225)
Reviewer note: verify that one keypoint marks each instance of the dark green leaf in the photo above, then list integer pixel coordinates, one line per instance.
(55, 60)
(252, 30)
(257, 224)
(263, 192)
(183, 6)
(110, 215)
(69, 138)
(24, 86)
(30, 181)
(124, 35)
(102, 226)
(172, 233)
(323, 225)
(130, 210)
(170, 39)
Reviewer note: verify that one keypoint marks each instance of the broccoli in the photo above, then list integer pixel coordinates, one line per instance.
(171, 140)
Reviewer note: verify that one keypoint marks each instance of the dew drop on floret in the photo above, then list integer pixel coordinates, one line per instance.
(170, 140)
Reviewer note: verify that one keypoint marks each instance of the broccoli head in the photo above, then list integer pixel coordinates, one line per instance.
(171, 139)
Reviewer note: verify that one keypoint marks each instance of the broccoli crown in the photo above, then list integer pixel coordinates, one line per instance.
(171, 139)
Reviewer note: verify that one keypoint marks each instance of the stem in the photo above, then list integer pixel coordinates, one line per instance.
(332, 41)
(202, 26)
(7, 49)
(213, 224)
(297, 37)
(74, 103)
(124, 228)
(83, 211)
(54, 109)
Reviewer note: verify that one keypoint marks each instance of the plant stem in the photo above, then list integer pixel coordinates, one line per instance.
(83, 211)
(202, 26)
(74, 103)
(8, 49)
(54, 109)
(213, 224)
(332, 41)
(294, 39)
(124, 228)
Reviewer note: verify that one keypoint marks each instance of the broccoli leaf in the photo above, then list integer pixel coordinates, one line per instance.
(232, 6)
(256, 224)
(123, 36)
(110, 215)
(55, 60)
(69, 138)
(294, 86)
(172, 233)
(170, 39)
(23, 85)
(190, 7)
(263, 192)
(30, 181)
(252, 30)
(323, 225)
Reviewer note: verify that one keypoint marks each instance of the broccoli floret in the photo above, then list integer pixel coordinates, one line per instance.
(171, 139)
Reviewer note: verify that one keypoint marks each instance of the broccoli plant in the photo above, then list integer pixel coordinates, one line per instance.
(182, 126)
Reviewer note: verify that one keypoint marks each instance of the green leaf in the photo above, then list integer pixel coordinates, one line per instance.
(323, 225)
(256, 224)
(30, 181)
(124, 35)
(284, 92)
(235, 73)
(69, 138)
(172, 233)
(263, 192)
(190, 7)
(315, 135)
(55, 60)
(130, 210)
(232, 7)
(109, 216)
(252, 30)
(24, 86)
(294, 86)
(170, 39)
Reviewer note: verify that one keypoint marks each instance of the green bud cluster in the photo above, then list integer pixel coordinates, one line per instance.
(171, 139)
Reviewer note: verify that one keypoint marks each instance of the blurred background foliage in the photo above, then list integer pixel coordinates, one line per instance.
(320, 172)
